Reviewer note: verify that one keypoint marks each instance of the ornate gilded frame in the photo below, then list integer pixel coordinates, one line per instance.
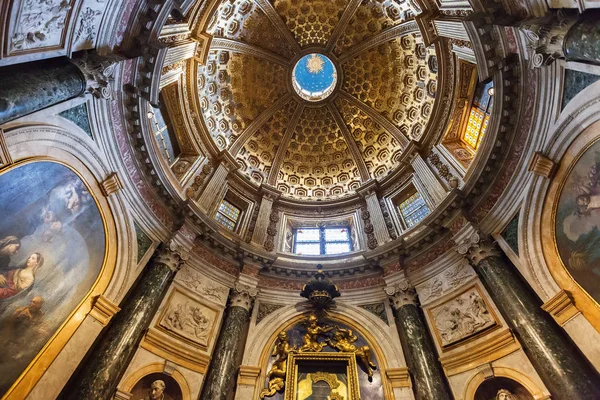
(583, 301)
(34, 371)
(297, 359)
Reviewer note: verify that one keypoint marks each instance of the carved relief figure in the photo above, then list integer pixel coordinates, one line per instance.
(189, 321)
(578, 221)
(461, 317)
(40, 23)
(278, 370)
(343, 340)
(310, 340)
(52, 246)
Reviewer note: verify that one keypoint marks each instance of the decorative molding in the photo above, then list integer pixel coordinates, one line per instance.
(278, 23)
(265, 309)
(248, 375)
(5, 157)
(111, 185)
(284, 144)
(103, 309)
(174, 350)
(98, 72)
(445, 282)
(121, 395)
(542, 165)
(340, 27)
(487, 351)
(202, 285)
(244, 48)
(398, 377)
(377, 309)
(403, 29)
(561, 307)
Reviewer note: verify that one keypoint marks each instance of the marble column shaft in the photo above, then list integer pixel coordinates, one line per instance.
(563, 368)
(582, 42)
(27, 88)
(428, 379)
(219, 383)
(101, 370)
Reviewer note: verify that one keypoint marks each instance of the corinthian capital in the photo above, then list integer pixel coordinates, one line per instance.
(243, 296)
(169, 255)
(402, 295)
(477, 247)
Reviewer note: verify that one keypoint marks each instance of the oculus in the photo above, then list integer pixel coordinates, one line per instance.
(314, 77)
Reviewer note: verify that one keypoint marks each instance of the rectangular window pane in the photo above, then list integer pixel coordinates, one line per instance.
(414, 209)
(226, 222)
(337, 248)
(228, 209)
(307, 235)
(308, 248)
(336, 234)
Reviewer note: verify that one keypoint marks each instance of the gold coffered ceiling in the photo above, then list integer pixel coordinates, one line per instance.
(385, 96)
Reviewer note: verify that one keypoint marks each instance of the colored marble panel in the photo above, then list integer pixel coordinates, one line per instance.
(36, 86)
(577, 227)
(79, 116)
(575, 82)
(52, 246)
(510, 234)
(143, 241)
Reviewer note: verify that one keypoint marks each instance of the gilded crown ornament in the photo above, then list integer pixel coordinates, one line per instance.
(320, 291)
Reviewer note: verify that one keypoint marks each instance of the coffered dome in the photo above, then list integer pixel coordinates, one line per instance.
(370, 90)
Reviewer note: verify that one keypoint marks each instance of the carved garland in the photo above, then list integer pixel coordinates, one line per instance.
(369, 230)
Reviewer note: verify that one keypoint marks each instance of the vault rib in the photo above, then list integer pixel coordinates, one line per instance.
(377, 117)
(283, 145)
(256, 123)
(340, 27)
(403, 29)
(358, 158)
(244, 48)
(278, 23)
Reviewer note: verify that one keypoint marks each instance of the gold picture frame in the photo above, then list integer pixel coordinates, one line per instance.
(301, 370)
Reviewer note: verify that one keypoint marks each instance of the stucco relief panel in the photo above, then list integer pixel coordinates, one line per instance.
(189, 319)
(38, 24)
(462, 317)
(202, 285)
(445, 282)
(88, 24)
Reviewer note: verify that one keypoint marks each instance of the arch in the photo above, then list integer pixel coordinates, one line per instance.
(576, 128)
(31, 143)
(157, 367)
(382, 338)
(504, 372)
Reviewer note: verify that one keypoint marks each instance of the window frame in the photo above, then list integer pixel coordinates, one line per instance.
(236, 223)
(486, 110)
(403, 218)
(322, 241)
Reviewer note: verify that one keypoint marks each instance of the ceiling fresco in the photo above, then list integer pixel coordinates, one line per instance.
(324, 146)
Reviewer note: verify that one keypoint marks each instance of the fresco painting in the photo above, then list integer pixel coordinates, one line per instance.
(156, 386)
(578, 221)
(52, 247)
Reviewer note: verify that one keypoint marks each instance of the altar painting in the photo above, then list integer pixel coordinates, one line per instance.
(577, 221)
(52, 247)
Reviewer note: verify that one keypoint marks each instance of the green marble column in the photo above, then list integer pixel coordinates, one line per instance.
(582, 42)
(428, 379)
(220, 382)
(26, 88)
(101, 370)
(563, 368)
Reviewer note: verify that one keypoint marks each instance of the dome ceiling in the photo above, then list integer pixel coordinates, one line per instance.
(385, 92)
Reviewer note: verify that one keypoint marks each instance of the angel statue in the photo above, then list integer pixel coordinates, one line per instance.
(278, 370)
(310, 340)
(343, 340)
(504, 394)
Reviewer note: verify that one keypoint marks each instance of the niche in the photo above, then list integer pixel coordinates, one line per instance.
(500, 388)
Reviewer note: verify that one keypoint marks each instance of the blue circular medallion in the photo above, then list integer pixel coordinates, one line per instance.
(314, 77)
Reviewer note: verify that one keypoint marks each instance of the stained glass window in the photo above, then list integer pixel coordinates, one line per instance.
(227, 215)
(317, 241)
(413, 210)
(479, 115)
